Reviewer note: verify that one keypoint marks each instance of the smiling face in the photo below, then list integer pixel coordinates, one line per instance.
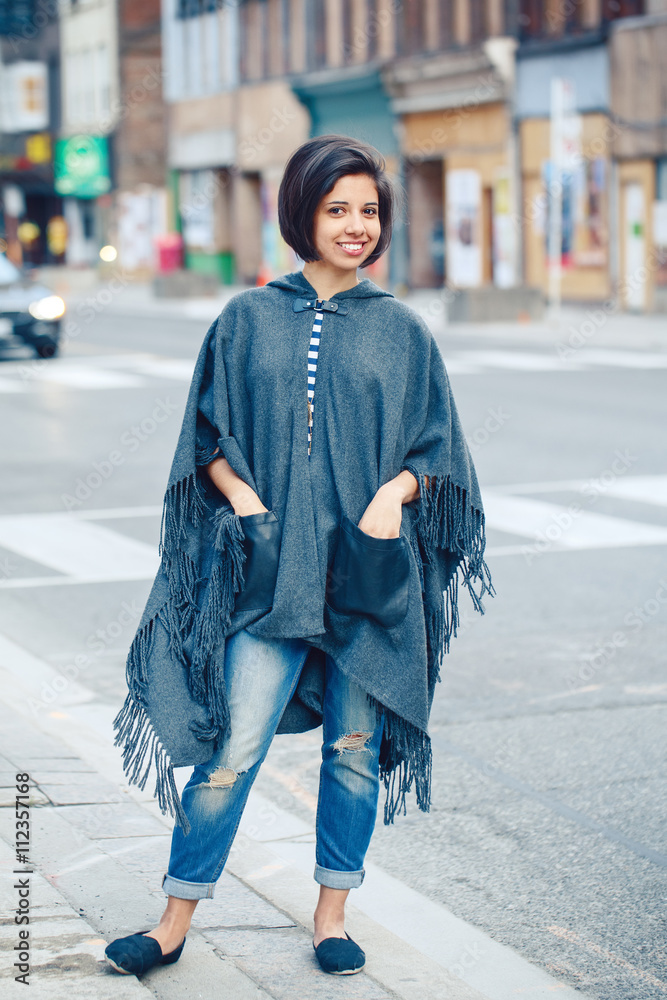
(346, 225)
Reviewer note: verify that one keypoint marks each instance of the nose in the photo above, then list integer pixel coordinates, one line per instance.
(355, 223)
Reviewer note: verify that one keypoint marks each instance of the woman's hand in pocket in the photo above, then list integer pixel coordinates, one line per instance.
(248, 503)
(240, 495)
(384, 514)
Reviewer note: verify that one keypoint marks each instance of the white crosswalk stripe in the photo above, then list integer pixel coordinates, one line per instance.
(79, 550)
(122, 371)
(178, 369)
(134, 371)
(560, 528)
(642, 489)
(88, 377)
(55, 374)
(7, 385)
(457, 366)
(588, 359)
(621, 359)
(520, 361)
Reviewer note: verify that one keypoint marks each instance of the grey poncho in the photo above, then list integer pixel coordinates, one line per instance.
(384, 404)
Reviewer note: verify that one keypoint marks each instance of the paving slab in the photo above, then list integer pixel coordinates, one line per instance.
(112, 818)
(21, 751)
(145, 857)
(283, 962)
(67, 954)
(204, 973)
(67, 768)
(115, 902)
(65, 776)
(8, 796)
(93, 792)
(234, 905)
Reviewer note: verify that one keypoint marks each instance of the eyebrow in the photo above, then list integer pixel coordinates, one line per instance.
(347, 203)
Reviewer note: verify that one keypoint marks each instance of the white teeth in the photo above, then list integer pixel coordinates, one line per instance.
(352, 246)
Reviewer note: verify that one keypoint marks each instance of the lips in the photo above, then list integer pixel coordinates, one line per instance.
(359, 248)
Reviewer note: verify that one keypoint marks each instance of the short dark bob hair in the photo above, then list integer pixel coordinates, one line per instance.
(312, 171)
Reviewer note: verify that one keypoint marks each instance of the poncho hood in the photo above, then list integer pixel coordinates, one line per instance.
(297, 282)
(383, 403)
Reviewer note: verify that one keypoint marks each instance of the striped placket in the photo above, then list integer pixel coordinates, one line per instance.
(313, 352)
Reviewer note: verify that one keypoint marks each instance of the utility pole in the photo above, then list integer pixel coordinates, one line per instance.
(564, 154)
(555, 196)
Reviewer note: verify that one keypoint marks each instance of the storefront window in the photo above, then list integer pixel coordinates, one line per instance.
(197, 193)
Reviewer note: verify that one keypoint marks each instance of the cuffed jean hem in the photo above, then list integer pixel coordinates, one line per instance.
(338, 880)
(187, 890)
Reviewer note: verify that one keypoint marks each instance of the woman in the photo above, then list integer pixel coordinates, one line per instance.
(321, 505)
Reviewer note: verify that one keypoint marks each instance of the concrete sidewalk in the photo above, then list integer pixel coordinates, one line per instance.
(98, 851)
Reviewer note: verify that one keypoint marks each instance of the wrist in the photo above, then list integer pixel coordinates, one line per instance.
(245, 501)
(404, 487)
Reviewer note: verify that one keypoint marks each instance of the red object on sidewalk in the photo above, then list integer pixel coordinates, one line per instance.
(264, 275)
(169, 252)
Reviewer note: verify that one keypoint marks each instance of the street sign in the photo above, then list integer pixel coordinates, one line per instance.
(81, 166)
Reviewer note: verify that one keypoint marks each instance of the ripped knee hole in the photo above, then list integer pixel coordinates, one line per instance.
(353, 742)
(222, 777)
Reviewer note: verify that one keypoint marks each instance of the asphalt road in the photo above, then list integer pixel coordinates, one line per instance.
(547, 828)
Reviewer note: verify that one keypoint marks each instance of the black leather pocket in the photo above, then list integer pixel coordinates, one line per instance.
(261, 544)
(369, 576)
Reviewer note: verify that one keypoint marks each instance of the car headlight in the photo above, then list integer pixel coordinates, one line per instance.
(50, 307)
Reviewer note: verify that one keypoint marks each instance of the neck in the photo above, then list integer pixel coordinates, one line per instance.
(327, 282)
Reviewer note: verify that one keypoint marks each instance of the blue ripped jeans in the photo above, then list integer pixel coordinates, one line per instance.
(261, 675)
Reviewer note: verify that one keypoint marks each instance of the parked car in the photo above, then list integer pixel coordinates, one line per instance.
(29, 312)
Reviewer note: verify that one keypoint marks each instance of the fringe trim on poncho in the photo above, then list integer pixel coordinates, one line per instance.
(448, 522)
(143, 750)
(406, 761)
(182, 616)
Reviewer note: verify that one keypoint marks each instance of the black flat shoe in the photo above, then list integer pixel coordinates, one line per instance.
(136, 954)
(340, 957)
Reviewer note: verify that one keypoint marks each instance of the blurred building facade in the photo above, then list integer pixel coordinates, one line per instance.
(233, 121)
(427, 83)
(140, 136)
(451, 83)
(179, 115)
(613, 189)
(83, 159)
(639, 109)
(29, 120)
(82, 130)
(457, 96)
(111, 155)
